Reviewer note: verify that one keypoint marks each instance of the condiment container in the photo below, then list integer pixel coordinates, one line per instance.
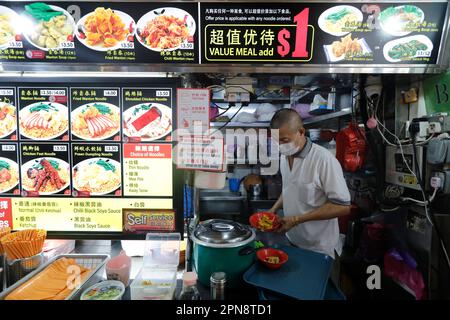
(158, 276)
(119, 268)
(105, 290)
(218, 281)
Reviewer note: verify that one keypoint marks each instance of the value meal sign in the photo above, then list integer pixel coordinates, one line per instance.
(322, 33)
(99, 32)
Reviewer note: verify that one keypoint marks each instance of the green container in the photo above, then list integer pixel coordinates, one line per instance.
(223, 246)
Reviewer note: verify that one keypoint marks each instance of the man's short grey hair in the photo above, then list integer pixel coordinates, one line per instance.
(288, 117)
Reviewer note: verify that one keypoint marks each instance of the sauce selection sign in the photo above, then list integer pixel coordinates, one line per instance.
(228, 32)
(74, 158)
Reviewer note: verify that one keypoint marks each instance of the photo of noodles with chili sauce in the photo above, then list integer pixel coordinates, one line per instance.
(165, 29)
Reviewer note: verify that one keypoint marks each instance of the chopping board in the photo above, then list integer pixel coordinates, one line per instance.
(304, 276)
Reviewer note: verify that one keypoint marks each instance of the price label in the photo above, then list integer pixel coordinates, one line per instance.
(301, 37)
(423, 53)
(110, 93)
(15, 44)
(67, 45)
(9, 147)
(111, 148)
(59, 148)
(127, 45)
(53, 92)
(164, 93)
(6, 92)
(187, 45)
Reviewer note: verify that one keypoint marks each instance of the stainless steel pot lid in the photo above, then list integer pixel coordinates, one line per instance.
(218, 231)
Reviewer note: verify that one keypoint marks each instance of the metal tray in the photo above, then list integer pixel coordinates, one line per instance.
(95, 262)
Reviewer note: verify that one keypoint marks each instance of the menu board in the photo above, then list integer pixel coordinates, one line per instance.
(191, 33)
(322, 33)
(94, 32)
(83, 156)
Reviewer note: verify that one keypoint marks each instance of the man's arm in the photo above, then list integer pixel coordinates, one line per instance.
(277, 205)
(328, 211)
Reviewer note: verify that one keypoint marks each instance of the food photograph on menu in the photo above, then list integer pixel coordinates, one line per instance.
(143, 119)
(9, 169)
(47, 26)
(95, 114)
(45, 169)
(8, 114)
(96, 170)
(41, 116)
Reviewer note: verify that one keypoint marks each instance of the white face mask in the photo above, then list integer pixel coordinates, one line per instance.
(288, 149)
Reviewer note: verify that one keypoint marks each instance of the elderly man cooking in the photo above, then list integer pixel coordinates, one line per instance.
(314, 192)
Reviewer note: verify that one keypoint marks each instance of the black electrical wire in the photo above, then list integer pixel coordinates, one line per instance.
(229, 120)
(430, 212)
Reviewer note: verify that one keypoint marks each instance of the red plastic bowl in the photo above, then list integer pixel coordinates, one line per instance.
(262, 254)
(254, 220)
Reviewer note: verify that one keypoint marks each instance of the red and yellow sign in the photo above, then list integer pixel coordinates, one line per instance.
(143, 220)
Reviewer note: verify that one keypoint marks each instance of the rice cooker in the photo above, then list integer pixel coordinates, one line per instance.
(223, 246)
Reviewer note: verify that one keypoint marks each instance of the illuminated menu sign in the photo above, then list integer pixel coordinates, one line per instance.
(322, 33)
(76, 158)
(193, 33)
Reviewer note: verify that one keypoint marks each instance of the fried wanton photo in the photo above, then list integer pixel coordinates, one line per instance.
(104, 27)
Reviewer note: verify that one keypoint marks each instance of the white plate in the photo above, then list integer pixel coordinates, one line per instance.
(179, 13)
(29, 24)
(165, 110)
(389, 27)
(86, 163)
(326, 13)
(2, 104)
(15, 23)
(25, 111)
(126, 19)
(62, 164)
(424, 39)
(332, 58)
(16, 166)
(80, 108)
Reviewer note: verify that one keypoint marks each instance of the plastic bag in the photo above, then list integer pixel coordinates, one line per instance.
(403, 271)
(318, 103)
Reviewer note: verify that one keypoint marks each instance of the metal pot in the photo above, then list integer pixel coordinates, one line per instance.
(222, 246)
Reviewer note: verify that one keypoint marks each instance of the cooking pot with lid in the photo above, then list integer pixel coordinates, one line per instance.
(222, 246)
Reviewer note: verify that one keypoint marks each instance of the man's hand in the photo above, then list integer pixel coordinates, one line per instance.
(287, 223)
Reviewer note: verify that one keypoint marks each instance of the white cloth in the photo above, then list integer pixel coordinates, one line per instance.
(316, 177)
